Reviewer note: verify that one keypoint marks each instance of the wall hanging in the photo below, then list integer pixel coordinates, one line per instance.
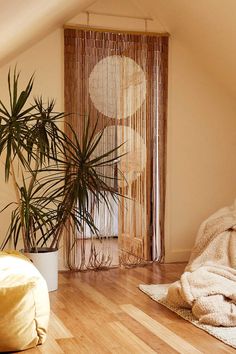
(119, 80)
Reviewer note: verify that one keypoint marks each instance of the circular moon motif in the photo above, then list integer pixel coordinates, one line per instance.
(133, 161)
(117, 86)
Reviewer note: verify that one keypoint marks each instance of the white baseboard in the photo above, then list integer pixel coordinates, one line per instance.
(177, 255)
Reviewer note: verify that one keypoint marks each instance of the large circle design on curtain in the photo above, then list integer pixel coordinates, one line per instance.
(133, 162)
(117, 86)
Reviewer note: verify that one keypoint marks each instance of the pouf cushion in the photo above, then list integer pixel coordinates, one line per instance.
(24, 303)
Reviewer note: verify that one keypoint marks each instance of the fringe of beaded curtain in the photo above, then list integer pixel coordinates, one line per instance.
(141, 217)
(83, 51)
(134, 122)
(160, 150)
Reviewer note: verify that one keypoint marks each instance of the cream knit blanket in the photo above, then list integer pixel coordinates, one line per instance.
(208, 285)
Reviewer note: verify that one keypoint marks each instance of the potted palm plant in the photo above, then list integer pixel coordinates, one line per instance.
(54, 176)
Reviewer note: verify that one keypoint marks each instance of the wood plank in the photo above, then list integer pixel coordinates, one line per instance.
(145, 335)
(98, 298)
(132, 342)
(50, 347)
(176, 342)
(74, 346)
(57, 329)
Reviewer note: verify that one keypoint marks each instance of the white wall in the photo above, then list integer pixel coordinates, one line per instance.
(201, 171)
(201, 168)
(45, 59)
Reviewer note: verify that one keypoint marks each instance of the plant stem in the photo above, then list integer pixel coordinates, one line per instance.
(18, 198)
(31, 185)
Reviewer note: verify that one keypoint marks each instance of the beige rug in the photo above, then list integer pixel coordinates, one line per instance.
(158, 293)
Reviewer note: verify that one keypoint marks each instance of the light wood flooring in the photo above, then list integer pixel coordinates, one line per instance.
(104, 312)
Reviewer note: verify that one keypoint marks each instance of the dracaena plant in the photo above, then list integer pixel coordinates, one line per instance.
(57, 177)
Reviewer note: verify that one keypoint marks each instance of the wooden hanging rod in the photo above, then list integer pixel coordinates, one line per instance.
(100, 29)
(113, 15)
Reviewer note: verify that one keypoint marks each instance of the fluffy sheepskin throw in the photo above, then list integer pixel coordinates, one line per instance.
(208, 285)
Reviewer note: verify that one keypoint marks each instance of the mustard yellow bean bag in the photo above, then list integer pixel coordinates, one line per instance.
(24, 303)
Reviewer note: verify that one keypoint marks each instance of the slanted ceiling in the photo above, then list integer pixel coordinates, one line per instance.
(205, 27)
(24, 22)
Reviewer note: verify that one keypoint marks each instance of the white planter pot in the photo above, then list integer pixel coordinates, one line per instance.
(46, 261)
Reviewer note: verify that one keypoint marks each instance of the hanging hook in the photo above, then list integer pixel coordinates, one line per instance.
(146, 24)
(88, 18)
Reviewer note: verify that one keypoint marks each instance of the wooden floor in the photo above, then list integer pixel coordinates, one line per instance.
(104, 312)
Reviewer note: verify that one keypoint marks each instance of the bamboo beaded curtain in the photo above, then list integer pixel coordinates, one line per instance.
(120, 80)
